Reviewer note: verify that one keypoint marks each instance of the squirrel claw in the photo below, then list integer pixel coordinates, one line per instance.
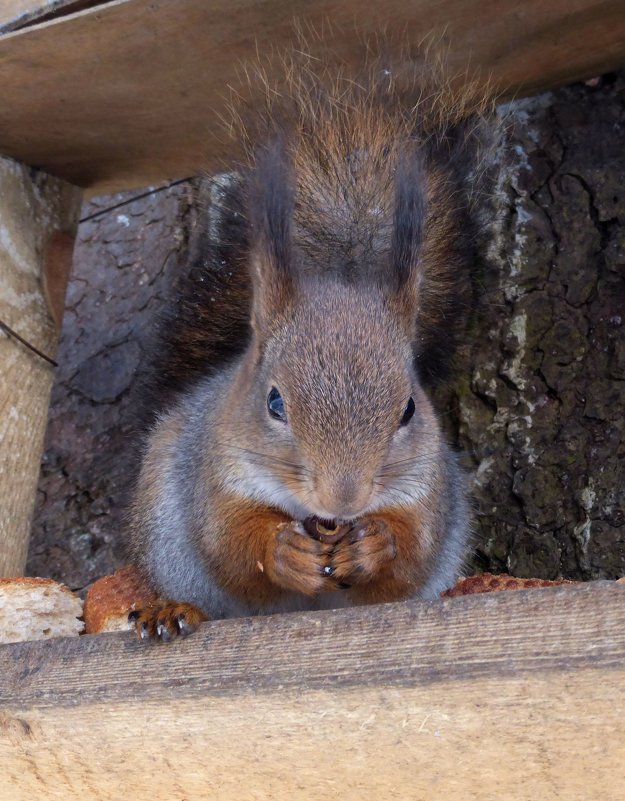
(165, 623)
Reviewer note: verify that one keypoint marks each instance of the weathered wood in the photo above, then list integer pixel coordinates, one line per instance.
(38, 218)
(515, 695)
(129, 93)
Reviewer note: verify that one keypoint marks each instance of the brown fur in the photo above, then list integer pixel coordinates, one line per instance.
(342, 135)
(345, 290)
(345, 138)
(260, 554)
(257, 555)
(383, 559)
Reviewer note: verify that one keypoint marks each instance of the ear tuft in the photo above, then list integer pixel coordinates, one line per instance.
(409, 219)
(270, 202)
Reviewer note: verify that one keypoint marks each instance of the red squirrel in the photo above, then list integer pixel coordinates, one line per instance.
(296, 461)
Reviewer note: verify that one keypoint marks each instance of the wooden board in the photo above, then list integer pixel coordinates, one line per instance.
(516, 695)
(129, 93)
(38, 219)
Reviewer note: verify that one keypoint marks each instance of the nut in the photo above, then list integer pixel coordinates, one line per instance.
(326, 531)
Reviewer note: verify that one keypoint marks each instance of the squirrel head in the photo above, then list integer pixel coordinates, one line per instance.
(333, 397)
(341, 406)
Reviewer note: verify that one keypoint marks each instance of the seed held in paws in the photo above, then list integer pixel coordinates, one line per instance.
(326, 531)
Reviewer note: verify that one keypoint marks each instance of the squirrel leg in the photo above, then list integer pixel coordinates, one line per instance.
(261, 555)
(163, 622)
(364, 552)
(297, 562)
(381, 559)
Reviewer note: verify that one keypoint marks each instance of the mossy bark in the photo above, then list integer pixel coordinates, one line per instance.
(539, 399)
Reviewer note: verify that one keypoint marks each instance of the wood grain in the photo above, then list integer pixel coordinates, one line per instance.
(129, 93)
(512, 695)
(38, 218)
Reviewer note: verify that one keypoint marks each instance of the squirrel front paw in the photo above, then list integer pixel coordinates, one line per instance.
(363, 553)
(163, 623)
(298, 562)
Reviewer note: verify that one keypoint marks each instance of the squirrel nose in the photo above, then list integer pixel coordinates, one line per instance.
(343, 496)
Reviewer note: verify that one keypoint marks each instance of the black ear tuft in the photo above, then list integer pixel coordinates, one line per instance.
(270, 205)
(409, 216)
(270, 200)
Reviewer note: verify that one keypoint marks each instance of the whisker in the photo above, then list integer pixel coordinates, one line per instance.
(267, 457)
(429, 454)
(409, 469)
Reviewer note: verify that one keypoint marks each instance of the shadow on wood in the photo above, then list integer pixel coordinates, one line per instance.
(129, 92)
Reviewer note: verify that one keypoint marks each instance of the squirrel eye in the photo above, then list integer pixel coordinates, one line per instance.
(408, 413)
(275, 404)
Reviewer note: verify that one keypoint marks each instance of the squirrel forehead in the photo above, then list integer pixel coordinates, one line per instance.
(343, 336)
(337, 315)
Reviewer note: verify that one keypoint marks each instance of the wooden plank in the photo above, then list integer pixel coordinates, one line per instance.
(38, 219)
(512, 695)
(129, 93)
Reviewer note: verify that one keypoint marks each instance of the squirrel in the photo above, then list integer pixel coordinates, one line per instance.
(295, 460)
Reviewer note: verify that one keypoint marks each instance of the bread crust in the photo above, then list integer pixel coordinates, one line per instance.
(32, 581)
(491, 582)
(110, 599)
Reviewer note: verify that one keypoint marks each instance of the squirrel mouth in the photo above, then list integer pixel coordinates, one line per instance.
(327, 531)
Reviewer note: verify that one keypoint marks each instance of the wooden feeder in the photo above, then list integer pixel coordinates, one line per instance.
(514, 696)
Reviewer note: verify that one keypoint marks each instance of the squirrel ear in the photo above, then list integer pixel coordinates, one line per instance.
(408, 228)
(270, 209)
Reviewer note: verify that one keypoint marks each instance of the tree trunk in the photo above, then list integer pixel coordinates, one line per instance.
(540, 402)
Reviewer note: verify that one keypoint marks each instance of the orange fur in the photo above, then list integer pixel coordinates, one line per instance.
(384, 558)
(259, 555)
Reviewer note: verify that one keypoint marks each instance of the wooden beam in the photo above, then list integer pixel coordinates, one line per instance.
(38, 219)
(129, 93)
(512, 695)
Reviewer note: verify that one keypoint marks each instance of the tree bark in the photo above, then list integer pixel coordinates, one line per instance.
(539, 400)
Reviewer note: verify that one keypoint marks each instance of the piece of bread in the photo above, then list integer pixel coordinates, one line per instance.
(490, 582)
(37, 609)
(110, 599)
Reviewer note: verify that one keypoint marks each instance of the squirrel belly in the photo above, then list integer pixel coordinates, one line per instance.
(293, 369)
